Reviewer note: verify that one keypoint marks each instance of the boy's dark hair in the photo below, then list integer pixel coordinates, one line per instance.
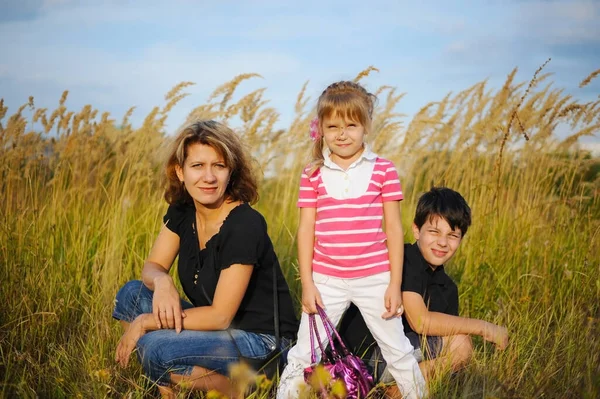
(446, 203)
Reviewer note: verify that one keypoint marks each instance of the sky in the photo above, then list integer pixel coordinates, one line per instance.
(117, 54)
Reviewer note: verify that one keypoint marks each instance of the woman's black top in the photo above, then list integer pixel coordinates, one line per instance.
(241, 239)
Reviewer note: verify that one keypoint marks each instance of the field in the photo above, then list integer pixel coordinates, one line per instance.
(81, 203)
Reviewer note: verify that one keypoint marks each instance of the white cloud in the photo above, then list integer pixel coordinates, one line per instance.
(456, 47)
(559, 22)
(594, 148)
(49, 4)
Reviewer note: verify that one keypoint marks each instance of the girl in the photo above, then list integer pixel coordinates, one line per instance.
(344, 255)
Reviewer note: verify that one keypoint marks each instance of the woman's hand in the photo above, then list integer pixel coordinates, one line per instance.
(310, 298)
(392, 302)
(166, 304)
(129, 341)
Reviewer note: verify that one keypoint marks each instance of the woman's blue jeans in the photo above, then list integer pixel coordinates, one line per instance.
(162, 352)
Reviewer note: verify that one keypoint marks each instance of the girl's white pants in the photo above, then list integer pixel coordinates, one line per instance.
(367, 294)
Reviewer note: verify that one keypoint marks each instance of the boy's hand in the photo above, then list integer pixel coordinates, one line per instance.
(310, 297)
(392, 302)
(496, 334)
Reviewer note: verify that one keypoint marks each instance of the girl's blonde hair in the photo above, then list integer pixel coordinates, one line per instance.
(242, 181)
(348, 100)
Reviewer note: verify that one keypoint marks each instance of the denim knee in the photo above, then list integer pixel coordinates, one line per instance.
(163, 352)
(153, 361)
(133, 299)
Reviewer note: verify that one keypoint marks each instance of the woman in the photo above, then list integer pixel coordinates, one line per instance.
(226, 262)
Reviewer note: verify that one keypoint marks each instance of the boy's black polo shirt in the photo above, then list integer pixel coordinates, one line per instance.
(439, 293)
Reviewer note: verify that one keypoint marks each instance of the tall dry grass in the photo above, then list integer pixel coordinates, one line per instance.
(81, 205)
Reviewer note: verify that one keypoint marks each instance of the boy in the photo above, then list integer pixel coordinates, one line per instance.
(442, 339)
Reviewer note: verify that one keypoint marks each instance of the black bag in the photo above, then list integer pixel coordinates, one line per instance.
(270, 366)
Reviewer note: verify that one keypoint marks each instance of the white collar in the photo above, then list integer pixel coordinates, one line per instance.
(367, 155)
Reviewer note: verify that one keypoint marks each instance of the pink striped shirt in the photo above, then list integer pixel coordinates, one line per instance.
(349, 237)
